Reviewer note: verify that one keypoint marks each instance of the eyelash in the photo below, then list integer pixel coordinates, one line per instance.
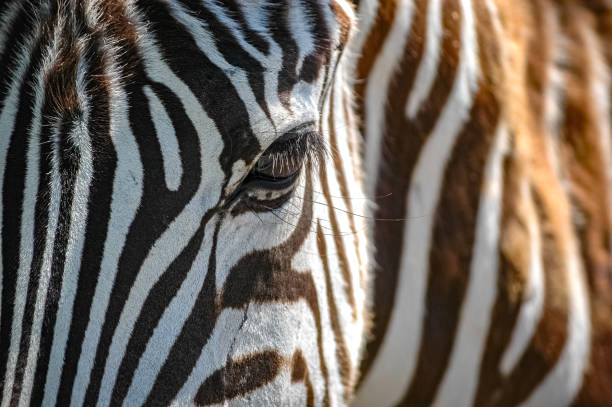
(309, 146)
(278, 168)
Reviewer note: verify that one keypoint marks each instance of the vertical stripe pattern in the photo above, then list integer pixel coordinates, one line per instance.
(488, 158)
(178, 224)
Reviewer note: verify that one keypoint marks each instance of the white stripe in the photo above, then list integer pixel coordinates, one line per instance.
(213, 356)
(347, 8)
(174, 239)
(554, 94)
(563, 383)
(366, 16)
(6, 20)
(169, 327)
(231, 23)
(256, 17)
(600, 91)
(353, 178)
(7, 123)
(403, 336)
(378, 85)
(55, 196)
(166, 136)
(127, 193)
(461, 377)
(428, 68)
(350, 328)
(76, 240)
(27, 234)
(206, 43)
(533, 297)
(300, 24)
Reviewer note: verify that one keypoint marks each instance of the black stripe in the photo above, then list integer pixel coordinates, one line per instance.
(207, 82)
(197, 328)
(8, 58)
(69, 159)
(40, 233)
(13, 195)
(104, 163)
(398, 160)
(159, 206)
(549, 339)
(450, 255)
(239, 378)
(322, 42)
(167, 286)
(232, 51)
(261, 276)
(281, 33)
(265, 276)
(251, 36)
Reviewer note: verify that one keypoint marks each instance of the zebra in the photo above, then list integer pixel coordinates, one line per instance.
(487, 149)
(178, 222)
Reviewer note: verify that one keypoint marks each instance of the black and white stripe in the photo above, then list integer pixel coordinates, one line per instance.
(137, 267)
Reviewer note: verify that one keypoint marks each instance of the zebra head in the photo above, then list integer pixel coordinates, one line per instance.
(179, 222)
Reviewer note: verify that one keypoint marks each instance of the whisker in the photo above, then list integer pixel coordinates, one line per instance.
(356, 198)
(365, 216)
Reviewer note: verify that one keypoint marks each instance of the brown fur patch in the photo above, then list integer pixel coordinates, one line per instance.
(568, 202)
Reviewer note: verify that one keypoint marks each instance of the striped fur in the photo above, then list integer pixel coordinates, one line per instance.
(487, 132)
(132, 272)
(135, 270)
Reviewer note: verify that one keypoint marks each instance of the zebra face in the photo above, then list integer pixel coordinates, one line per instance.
(179, 221)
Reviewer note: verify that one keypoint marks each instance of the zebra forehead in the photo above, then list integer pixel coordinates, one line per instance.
(292, 40)
(232, 53)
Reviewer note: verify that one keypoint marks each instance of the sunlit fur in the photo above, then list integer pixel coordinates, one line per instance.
(488, 152)
(131, 272)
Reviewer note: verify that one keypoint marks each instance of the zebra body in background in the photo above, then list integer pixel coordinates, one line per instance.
(173, 231)
(487, 133)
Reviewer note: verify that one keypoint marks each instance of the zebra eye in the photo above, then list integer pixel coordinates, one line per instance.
(279, 166)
